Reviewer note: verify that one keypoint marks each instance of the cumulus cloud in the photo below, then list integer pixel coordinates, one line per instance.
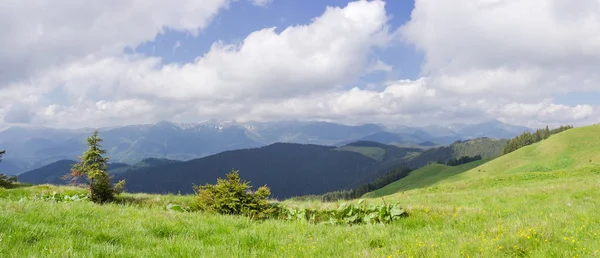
(515, 55)
(325, 55)
(40, 34)
(483, 59)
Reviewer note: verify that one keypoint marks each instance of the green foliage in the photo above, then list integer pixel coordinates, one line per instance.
(347, 214)
(528, 138)
(233, 196)
(6, 181)
(92, 168)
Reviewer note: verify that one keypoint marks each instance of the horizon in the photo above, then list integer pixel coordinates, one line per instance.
(234, 122)
(414, 63)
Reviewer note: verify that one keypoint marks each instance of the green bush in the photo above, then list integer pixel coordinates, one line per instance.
(233, 196)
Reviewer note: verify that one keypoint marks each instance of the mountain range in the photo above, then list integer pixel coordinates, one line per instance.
(289, 169)
(33, 147)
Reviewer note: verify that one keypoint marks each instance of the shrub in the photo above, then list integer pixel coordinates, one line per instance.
(233, 196)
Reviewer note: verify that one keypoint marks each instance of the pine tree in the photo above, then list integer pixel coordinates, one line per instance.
(92, 168)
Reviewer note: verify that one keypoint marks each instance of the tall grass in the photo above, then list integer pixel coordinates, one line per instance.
(553, 215)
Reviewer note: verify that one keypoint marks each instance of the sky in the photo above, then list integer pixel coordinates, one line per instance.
(96, 63)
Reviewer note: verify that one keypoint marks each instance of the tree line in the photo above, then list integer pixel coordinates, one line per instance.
(460, 161)
(528, 138)
(359, 191)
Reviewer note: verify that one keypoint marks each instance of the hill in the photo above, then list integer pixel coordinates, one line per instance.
(53, 173)
(288, 169)
(572, 149)
(298, 169)
(379, 151)
(488, 148)
(423, 177)
(568, 150)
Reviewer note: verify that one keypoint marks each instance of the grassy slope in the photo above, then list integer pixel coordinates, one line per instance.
(575, 148)
(489, 214)
(423, 177)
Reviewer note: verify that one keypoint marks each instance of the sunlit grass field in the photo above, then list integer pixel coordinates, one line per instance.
(551, 214)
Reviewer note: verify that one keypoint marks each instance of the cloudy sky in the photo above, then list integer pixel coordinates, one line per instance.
(72, 63)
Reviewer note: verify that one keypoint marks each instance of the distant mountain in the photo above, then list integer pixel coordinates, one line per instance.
(491, 129)
(53, 173)
(33, 147)
(9, 168)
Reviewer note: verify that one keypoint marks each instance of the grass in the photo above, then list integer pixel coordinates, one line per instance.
(575, 148)
(423, 177)
(526, 214)
(515, 213)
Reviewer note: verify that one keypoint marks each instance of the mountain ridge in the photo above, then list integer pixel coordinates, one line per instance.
(33, 147)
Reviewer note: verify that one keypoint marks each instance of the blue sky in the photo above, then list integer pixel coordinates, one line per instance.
(242, 18)
(110, 63)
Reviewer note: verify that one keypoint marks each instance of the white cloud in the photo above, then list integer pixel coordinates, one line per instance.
(319, 57)
(261, 2)
(38, 34)
(484, 59)
(515, 55)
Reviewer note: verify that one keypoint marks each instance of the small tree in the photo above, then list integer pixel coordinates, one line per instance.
(92, 169)
(6, 181)
(233, 196)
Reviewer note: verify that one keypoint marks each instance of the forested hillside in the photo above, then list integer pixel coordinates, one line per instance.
(289, 169)
(53, 173)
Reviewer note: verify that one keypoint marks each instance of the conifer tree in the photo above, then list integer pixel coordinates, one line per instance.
(92, 168)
